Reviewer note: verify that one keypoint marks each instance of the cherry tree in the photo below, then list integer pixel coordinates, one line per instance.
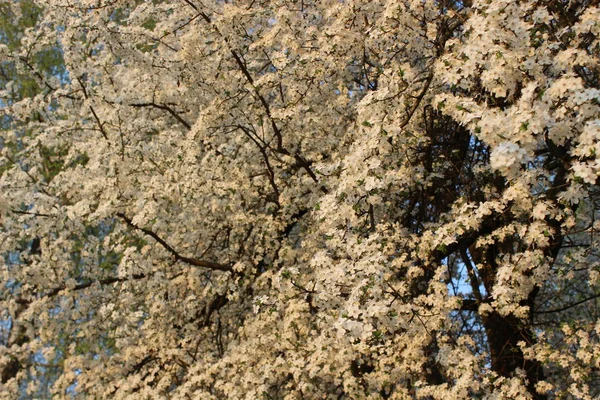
(300, 199)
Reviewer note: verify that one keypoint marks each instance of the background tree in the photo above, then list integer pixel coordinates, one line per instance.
(294, 199)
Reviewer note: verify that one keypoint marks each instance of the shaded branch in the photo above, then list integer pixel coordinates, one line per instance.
(215, 305)
(491, 223)
(139, 365)
(263, 151)
(471, 272)
(301, 161)
(81, 286)
(192, 5)
(100, 125)
(473, 304)
(569, 306)
(262, 100)
(418, 100)
(165, 108)
(35, 214)
(188, 260)
(37, 74)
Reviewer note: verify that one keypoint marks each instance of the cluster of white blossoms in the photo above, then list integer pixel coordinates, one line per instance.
(507, 158)
(289, 199)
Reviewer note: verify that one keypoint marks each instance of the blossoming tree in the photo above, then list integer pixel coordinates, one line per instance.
(300, 199)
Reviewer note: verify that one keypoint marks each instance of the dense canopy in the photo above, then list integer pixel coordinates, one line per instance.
(300, 199)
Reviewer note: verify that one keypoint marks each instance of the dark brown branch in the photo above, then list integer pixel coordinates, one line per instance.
(302, 288)
(82, 87)
(301, 161)
(473, 304)
(165, 108)
(417, 101)
(178, 257)
(191, 4)
(569, 306)
(262, 100)
(37, 73)
(180, 27)
(31, 213)
(81, 286)
(100, 125)
(138, 366)
(205, 17)
(487, 226)
(33, 179)
(215, 305)
(469, 305)
(471, 272)
(263, 151)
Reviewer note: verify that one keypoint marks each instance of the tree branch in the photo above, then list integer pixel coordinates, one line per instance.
(188, 260)
(569, 306)
(100, 125)
(165, 108)
(471, 272)
(417, 101)
(491, 223)
(81, 286)
(263, 151)
(35, 214)
(301, 161)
